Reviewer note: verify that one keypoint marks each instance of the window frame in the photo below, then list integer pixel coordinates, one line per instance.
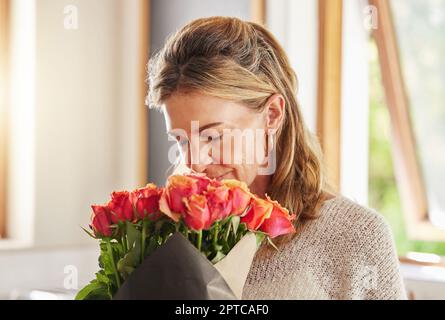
(4, 74)
(258, 11)
(144, 43)
(330, 20)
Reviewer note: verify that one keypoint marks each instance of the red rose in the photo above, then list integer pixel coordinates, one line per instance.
(121, 207)
(259, 211)
(279, 222)
(101, 221)
(146, 202)
(197, 216)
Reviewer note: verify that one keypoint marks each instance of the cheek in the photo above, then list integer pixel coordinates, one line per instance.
(243, 158)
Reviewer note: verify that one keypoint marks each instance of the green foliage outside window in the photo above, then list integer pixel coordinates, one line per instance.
(383, 193)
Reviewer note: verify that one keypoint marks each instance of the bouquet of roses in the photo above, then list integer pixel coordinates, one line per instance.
(193, 239)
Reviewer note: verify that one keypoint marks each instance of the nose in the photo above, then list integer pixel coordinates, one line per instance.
(195, 158)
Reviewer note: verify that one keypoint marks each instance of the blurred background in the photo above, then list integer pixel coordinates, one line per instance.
(73, 125)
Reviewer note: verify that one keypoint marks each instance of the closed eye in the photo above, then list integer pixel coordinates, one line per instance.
(213, 139)
(179, 139)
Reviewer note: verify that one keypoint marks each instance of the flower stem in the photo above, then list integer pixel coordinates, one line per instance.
(199, 240)
(144, 232)
(185, 231)
(228, 226)
(215, 235)
(110, 252)
(124, 241)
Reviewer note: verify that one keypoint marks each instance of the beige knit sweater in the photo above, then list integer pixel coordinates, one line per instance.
(347, 253)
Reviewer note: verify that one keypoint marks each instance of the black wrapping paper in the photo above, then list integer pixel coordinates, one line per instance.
(175, 271)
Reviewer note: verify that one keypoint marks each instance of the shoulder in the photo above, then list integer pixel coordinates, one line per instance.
(360, 240)
(353, 220)
(346, 230)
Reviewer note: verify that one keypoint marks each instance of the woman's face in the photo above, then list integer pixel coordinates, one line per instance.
(221, 138)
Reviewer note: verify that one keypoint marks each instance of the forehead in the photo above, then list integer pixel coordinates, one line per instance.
(180, 109)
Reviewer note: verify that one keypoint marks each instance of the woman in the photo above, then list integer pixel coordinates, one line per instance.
(222, 78)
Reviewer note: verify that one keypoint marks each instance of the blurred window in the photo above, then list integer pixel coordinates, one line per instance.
(420, 31)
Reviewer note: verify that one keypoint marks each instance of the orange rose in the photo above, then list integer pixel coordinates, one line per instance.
(239, 195)
(259, 211)
(219, 202)
(179, 188)
(202, 181)
(197, 217)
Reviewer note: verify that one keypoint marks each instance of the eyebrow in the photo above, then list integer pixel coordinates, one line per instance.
(209, 125)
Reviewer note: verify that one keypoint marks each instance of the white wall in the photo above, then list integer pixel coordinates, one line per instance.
(73, 139)
(295, 24)
(82, 128)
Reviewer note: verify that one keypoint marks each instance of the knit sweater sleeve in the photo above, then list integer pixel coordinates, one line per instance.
(377, 270)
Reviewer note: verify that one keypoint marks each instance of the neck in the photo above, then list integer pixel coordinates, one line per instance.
(259, 185)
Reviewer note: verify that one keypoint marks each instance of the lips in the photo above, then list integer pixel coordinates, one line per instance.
(223, 176)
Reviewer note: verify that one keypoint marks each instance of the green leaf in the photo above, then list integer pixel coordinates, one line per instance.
(89, 233)
(102, 277)
(105, 261)
(259, 238)
(235, 221)
(133, 234)
(128, 263)
(95, 290)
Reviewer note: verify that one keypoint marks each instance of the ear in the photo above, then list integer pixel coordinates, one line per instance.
(274, 110)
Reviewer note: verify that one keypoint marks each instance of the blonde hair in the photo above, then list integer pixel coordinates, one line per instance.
(241, 61)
